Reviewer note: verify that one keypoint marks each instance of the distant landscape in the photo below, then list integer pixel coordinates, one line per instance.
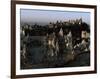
(54, 44)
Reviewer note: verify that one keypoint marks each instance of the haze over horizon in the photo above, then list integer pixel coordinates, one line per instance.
(43, 17)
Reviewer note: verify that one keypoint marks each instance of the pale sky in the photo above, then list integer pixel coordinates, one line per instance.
(45, 16)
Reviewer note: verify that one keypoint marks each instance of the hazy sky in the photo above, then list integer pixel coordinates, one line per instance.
(45, 16)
